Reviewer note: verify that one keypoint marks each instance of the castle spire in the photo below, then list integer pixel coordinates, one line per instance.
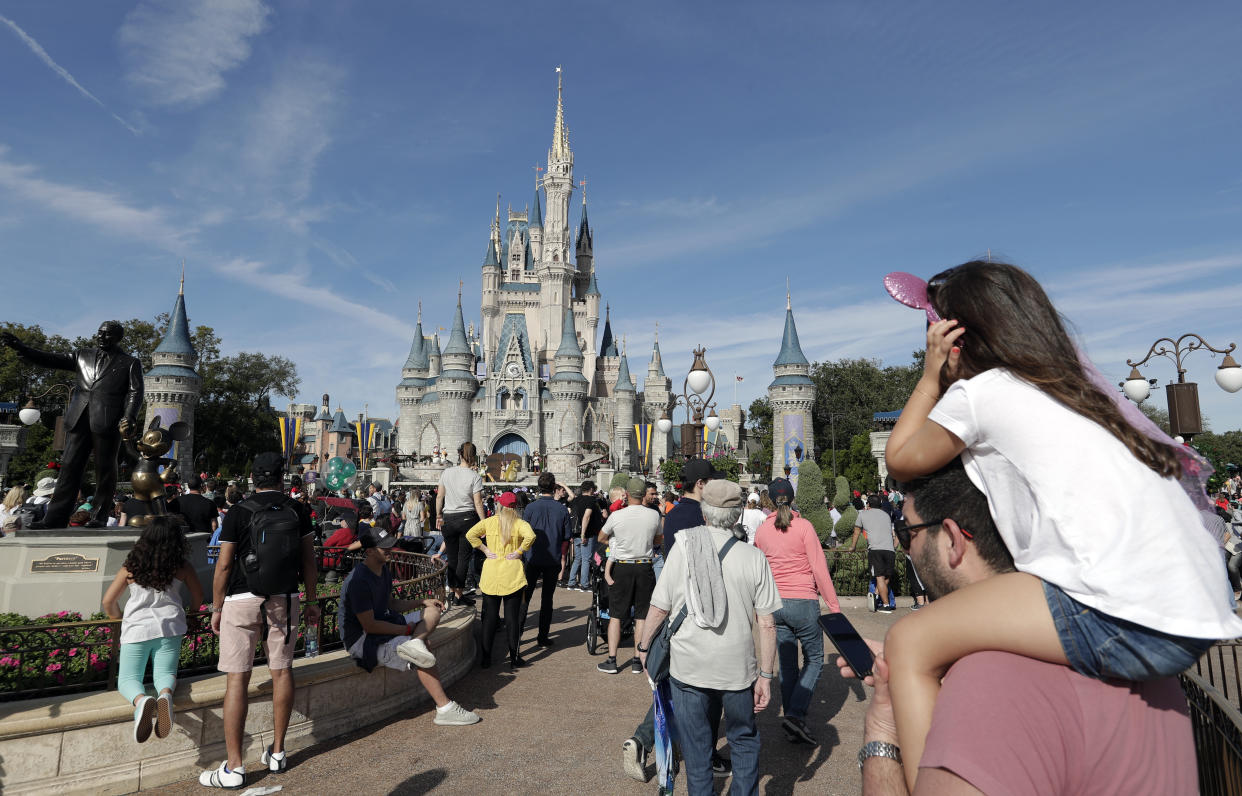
(181, 290)
(607, 345)
(177, 338)
(560, 133)
(791, 349)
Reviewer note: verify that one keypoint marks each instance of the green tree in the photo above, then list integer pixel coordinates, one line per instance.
(1156, 415)
(760, 425)
(849, 391)
(19, 381)
(858, 465)
(1220, 450)
(234, 419)
(849, 515)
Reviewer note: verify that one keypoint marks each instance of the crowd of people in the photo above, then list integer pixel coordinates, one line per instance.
(1058, 621)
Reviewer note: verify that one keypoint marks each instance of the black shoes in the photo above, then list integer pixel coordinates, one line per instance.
(545, 642)
(636, 666)
(518, 662)
(796, 731)
(608, 666)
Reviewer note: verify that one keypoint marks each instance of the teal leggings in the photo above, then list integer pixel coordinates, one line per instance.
(165, 653)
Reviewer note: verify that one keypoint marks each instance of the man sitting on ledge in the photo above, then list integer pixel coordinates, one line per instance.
(378, 633)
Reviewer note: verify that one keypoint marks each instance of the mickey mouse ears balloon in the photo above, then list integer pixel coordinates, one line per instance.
(911, 291)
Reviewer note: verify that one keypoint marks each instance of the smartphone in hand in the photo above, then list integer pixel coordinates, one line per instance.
(847, 641)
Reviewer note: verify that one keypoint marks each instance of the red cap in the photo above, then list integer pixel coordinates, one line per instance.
(507, 499)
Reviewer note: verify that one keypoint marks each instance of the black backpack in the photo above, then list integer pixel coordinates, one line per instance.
(273, 564)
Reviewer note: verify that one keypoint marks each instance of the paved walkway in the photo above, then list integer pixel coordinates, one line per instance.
(557, 728)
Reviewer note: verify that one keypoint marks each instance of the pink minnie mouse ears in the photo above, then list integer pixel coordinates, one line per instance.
(911, 291)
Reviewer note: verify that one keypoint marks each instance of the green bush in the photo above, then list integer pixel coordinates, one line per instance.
(810, 498)
(842, 494)
(845, 526)
(851, 573)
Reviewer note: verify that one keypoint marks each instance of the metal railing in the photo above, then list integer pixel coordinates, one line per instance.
(1219, 667)
(1217, 727)
(76, 657)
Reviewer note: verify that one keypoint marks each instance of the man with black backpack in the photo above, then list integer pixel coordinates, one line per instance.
(266, 547)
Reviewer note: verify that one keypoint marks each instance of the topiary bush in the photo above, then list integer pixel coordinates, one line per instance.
(842, 494)
(810, 498)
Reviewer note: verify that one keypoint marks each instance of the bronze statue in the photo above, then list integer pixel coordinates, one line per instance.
(149, 484)
(103, 404)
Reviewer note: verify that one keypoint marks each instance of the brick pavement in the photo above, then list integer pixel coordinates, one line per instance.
(557, 728)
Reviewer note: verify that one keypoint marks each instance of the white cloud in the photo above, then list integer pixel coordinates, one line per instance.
(109, 212)
(43, 56)
(289, 128)
(178, 53)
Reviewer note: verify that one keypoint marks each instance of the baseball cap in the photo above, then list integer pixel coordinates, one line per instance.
(269, 463)
(781, 490)
(377, 538)
(698, 470)
(753, 497)
(636, 487)
(722, 493)
(507, 499)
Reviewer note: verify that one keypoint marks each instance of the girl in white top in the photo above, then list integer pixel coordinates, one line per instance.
(1117, 577)
(154, 620)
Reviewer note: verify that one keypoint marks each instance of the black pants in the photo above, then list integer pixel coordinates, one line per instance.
(513, 622)
(456, 547)
(79, 442)
(548, 573)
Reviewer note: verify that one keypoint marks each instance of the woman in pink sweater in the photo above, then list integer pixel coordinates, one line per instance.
(801, 572)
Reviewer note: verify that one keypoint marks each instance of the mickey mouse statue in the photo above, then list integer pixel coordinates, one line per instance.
(147, 480)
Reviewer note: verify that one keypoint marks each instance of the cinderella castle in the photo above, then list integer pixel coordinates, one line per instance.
(532, 381)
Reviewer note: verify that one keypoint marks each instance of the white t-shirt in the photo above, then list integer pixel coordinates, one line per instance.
(1052, 478)
(459, 485)
(633, 530)
(722, 657)
(752, 518)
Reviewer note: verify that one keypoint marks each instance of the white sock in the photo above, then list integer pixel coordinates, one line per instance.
(446, 708)
(278, 755)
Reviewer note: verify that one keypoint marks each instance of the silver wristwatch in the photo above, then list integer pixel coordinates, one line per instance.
(879, 749)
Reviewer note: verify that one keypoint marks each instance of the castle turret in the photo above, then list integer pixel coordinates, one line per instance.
(624, 398)
(492, 281)
(558, 185)
(172, 384)
(656, 391)
(584, 254)
(791, 394)
(434, 355)
(608, 362)
(456, 385)
(536, 226)
(569, 392)
(415, 379)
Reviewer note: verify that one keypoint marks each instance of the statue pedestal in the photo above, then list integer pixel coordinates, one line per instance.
(69, 569)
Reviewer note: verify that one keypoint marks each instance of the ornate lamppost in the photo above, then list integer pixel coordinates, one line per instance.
(697, 392)
(1185, 419)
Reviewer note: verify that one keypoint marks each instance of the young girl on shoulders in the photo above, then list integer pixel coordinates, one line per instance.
(1117, 577)
(154, 621)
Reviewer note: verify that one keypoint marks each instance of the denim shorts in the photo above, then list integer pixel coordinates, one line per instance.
(1101, 646)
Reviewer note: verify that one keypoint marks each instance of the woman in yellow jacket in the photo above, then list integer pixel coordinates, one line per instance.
(504, 538)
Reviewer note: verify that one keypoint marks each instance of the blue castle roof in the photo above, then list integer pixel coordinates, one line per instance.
(791, 349)
(177, 336)
(457, 343)
(624, 382)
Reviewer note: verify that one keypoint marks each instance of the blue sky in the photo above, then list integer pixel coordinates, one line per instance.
(322, 167)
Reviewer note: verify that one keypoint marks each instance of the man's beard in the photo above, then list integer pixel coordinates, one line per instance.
(937, 578)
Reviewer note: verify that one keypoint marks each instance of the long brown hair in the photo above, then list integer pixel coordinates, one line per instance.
(158, 554)
(1011, 324)
(469, 456)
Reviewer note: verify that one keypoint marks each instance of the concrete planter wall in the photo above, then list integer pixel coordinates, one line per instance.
(85, 744)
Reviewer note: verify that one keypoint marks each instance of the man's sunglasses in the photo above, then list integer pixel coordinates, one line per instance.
(906, 533)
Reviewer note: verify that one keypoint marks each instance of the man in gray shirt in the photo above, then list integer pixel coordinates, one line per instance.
(631, 533)
(880, 555)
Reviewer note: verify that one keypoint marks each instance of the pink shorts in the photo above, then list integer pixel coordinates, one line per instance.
(241, 623)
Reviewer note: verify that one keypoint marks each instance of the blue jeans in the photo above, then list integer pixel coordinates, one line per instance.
(657, 564)
(797, 622)
(692, 709)
(1102, 646)
(580, 570)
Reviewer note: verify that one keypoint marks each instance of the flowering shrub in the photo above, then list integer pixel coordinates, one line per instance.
(69, 652)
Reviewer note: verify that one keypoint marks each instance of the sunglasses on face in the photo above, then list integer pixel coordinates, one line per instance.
(906, 533)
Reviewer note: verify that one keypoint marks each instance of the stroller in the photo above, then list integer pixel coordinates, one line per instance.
(598, 614)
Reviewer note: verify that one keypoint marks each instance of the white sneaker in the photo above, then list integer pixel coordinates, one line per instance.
(275, 763)
(163, 715)
(415, 651)
(144, 717)
(223, 778)
(634, 760)
(454, 715)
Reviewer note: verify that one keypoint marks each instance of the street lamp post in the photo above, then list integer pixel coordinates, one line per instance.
(1185, 419)
(700, 410)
